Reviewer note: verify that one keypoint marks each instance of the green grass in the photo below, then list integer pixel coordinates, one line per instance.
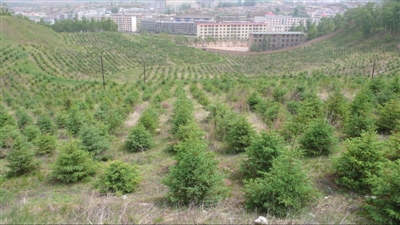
(44, 72)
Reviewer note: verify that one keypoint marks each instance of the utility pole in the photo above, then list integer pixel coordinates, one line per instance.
(144, 71)
(373, 70)
(102, 71)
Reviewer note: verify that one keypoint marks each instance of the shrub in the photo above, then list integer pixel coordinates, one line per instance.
(383, 206)
(139, 139)
(132, 98)
(393, 148)
(318, 138)
(240, 134)
(284, 189)
(149, 119)
(221, 117)
(360, 118)
(73, 164)
(183, 113)
(21, 157)
(75, 121)
(8, 134)
(389, 117)
(261, 153)
(23, 119)
(46, 144)
(337, 107)
(358, 162)
(118, 177)
(5, 118)
(31, 132)
(194, 176)
(46, 124)
(92, 140)
(254, 100)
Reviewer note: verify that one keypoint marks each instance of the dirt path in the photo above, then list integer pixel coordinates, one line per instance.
(307, 43)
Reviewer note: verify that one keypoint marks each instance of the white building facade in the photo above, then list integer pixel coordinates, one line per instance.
(239, 30)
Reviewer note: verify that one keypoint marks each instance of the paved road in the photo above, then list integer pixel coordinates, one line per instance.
(318, 39)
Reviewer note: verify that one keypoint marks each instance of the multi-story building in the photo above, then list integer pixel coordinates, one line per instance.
(195, 18)
(173, 27)
(239, 30)
(283, 23)
(275, 40)
(179, 2)
(149, 24)
(125, 23)
(233, 18)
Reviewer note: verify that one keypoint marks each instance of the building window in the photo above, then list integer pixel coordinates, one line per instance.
(273, 45)
(283, 45)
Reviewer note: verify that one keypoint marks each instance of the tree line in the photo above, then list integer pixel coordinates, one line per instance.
(370, 18)
(84, 25)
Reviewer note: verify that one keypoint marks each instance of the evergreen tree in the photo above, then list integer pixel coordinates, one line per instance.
(73, 164)
(318, 138)
(118, 177)
(46, 144)
(383, 206)
(360, 118)
(360, 160)
(240, 134)
(21, 157)
(139, 139)
(389, 117)
(286, 188)
(92, 140)
(193, 178)
(261, 153)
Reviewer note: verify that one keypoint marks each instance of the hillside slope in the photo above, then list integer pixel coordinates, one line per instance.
(52, 98)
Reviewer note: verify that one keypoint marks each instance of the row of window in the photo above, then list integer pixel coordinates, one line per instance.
(287, 35)
(283, 40)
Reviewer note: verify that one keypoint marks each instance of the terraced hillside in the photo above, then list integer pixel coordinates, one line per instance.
(226, 111)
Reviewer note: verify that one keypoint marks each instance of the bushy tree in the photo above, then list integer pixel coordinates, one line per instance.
(46, 144)
(286, 188)
(194, 176)
(261, 153)
(8, 134)
(358, 162)
(183, 113)
(384, 204)
(392, 150)
(6, 118)
(318, 138)
(31, 132)
(149, 119)
(118, 177)
(21, 157)
(73, 164)
(240, 134)
(337, 107)
(75, 121)
(23, 119)
(361, 117)
(253, 100)
(389, 117)
(46, 124)
(92, 140)
(139, 139)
